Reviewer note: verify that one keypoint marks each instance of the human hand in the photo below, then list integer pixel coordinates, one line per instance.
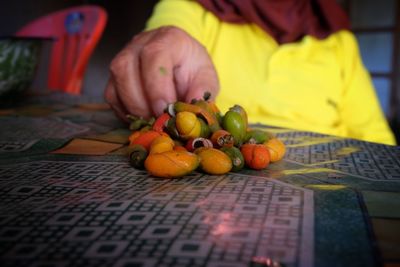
(156, 68)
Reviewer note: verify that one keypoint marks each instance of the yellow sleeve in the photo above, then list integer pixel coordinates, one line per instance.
(361, 111)
(187, 15)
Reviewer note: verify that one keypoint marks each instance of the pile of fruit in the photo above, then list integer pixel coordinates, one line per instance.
(190, 136)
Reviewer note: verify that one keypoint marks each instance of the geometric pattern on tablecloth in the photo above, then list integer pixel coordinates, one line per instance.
(371, 161)
(108, 213)
(29, 129)
(15, 146)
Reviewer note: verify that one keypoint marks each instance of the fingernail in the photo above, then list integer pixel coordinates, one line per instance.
(159, 106)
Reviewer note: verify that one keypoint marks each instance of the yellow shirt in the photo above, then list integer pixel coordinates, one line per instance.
(313, 85)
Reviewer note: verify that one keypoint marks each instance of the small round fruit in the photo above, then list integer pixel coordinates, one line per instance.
(188, 125)
(161, 144)
(144, 138)
(276, 149)
(137, 155)
(213, 161)
(256, 156)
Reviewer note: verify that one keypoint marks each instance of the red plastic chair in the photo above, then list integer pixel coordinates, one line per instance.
(76, 32)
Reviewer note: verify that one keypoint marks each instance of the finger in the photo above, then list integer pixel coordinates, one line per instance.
(127, 80)
(127, 84)
(157, 77)
(157, 73)
(204, 80)
(112, 99)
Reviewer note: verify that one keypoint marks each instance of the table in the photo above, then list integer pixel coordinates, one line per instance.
(68, 197)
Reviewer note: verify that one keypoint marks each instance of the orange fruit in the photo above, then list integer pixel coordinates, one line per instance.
(256, 156)
(144, 138)
(171, 164)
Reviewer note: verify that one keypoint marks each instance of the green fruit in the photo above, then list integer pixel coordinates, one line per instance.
(256, 137)
(235, 156)
(137, 123)
(171, 128)
(205, 129)
(239, 109)
(235, 124)
(137, 156)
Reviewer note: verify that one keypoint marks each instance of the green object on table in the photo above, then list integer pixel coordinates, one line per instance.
(19, 58)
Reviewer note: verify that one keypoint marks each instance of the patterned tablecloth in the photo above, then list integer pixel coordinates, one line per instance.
(68, 197)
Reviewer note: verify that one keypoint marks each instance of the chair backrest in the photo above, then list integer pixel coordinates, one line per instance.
(76, 32)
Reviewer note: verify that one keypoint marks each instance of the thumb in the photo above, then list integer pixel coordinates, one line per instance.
(205, 79)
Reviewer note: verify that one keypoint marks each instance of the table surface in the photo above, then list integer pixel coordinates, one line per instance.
(68, 197)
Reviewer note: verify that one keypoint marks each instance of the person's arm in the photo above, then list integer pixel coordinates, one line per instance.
(160, 66)
(361, 111)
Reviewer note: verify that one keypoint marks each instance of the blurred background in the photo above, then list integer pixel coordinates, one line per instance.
(375, 23)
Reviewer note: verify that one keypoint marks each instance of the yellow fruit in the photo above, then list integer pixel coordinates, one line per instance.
(276, 149)
(188, 125)
(161, 144)
(214, 161)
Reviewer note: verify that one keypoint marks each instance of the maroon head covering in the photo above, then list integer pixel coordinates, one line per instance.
(285, 20)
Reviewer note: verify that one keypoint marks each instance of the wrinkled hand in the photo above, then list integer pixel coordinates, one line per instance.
(156, 68)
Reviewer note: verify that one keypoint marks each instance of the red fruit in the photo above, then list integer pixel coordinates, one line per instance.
(256, 156)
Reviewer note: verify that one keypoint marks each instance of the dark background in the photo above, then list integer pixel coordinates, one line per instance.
(375, 23)
(125, 18)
